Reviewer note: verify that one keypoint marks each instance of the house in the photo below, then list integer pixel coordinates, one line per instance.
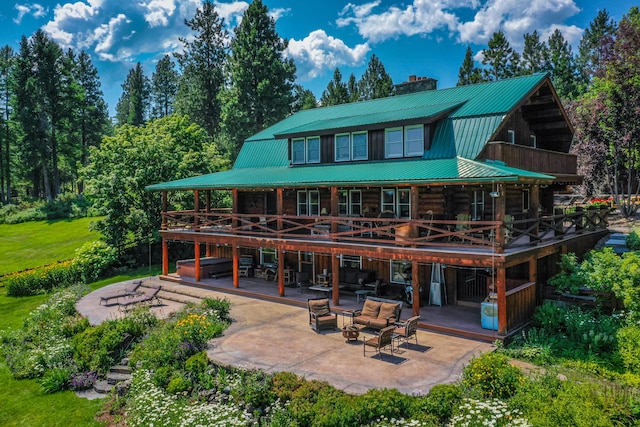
(463, 177)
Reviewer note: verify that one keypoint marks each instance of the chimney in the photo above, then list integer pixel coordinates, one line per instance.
(416, 84)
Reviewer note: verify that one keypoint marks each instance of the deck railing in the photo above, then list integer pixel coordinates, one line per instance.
(404, 232)
(521, 303)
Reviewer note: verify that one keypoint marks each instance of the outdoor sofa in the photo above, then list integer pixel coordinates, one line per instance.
(378, 313)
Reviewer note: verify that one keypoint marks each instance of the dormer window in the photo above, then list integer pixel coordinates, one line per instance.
(351, 146)
(405, 141)
(511, 136)
(305, 150)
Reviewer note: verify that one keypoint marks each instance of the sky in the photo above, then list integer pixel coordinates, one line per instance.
(427, 38)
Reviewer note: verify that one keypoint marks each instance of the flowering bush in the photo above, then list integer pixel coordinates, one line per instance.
(93, 258)
(492, 375)
(149, 405)
(196, 329)
(83, 380)
(42, 279)
(600, 202)
(487, 413)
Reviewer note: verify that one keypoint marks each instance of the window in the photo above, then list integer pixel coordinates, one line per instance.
(308, 203)
(534, 142)
(351, 261)
(399, 271)
(360, 146)
(526, 199)
(343, 147)
(477, 205)
(414, 140)
(268, 257)
(404, 142)
(297, 151)
(305, 151)
(397, 201)
(511, 136)
(393, 143)
(350, 202)
(313, 149)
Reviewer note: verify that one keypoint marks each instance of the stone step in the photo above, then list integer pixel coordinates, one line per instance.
(102, 387)
(177, 297)
(121, 369)
(115, 377)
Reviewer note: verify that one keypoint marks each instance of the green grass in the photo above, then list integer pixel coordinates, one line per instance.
(32, 244)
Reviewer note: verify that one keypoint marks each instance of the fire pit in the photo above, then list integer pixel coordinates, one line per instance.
(351, 332)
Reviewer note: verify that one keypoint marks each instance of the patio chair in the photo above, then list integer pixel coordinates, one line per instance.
(380, 341)
(130, 290)
(407, 329)
(271, 273)
(146, 297)
(320, 316)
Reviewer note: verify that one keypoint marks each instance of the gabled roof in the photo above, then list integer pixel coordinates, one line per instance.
(380, 173)
(467, 117)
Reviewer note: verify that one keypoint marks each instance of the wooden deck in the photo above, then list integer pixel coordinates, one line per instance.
(458, 320)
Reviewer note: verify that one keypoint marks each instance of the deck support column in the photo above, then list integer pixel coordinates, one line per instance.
(415, 285)
(534, 206)
(279, 210)
(500, 210)
(234, 210)
(236, 264)
(165, 257)
(414, 198)
(207, 210)
(334, 209)
(196, 245)
(163, 226)
(196, 210)
(335, 278)
(280, 272)
(501, 288)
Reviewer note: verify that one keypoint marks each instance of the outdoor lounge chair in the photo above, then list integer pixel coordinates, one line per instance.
(407, 329)
(148, 296)
(133, 289)
(320, 316)
(380, 341)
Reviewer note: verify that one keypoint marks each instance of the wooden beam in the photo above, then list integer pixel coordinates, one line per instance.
(196, 247)
(280, 258)
(414, 198)
(501, 289)
(234, 207)
(415, 288)
(196, 210)
(335, 279)
(236, 264)
(334, 208)
(279, 208)
(164, 211)
(165, 257)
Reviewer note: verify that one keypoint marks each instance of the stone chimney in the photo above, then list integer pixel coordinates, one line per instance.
(416, 84)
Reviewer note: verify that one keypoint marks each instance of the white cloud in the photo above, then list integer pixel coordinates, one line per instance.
(571, 33)
(278, 13)
(516, 18)
(36, 10)
(319, 52)
(231, 12)
(158, 12)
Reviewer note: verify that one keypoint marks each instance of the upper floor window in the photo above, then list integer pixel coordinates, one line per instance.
(351, 146)
(534, 141)
(404, 142)
(511, 136)
(308, 203)
(305, 150)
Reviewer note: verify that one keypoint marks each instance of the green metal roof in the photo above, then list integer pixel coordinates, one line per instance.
(269, 153)
(390, 172)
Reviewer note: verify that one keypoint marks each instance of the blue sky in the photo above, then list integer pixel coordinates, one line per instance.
(422, 37)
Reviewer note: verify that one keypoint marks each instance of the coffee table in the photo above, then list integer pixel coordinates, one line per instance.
(351, 332)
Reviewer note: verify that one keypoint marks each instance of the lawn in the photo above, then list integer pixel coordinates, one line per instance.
(32, 244)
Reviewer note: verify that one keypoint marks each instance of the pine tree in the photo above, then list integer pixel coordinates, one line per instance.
(7, 62)
(353, 89)
(261, 91)
(164, 87)
(304, 99)
(133, 104)
(469, 74)
(562, 65)
(501, 59)
(589, 56)
(336, 92)
(202, 65)
(535, 54)
(375, 82)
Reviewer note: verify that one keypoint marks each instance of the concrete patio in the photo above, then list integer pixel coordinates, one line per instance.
(277, 337)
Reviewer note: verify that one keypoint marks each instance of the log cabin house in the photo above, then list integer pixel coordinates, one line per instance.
(462, 178)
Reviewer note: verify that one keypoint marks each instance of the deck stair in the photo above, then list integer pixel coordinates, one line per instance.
(117, 374)
(172, 292)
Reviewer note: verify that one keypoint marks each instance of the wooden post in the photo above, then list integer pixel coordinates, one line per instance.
(164, 211)
(335, 279)
(414, 199)
(501, 289)
(234, 210)
(334, 209)
(207, 210)
(165, 257)
(534, 205)
(196, 245)
(279, 210)
(415, 287)
(236, 264)
(500, 205)
(196, 210)
(280, 258)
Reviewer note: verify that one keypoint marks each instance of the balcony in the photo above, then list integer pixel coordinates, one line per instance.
(519, 232)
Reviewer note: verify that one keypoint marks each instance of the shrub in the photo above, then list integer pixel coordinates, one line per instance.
(197, 364)
(439, 403)
(633, 241)
(492, 412)
(93, 258)
(628, 347)
(569, 278)
(83, 380)
(492, 376)
(55, 380)
(549, 316)
(382, 403)
(43, 279)
(178, 383)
